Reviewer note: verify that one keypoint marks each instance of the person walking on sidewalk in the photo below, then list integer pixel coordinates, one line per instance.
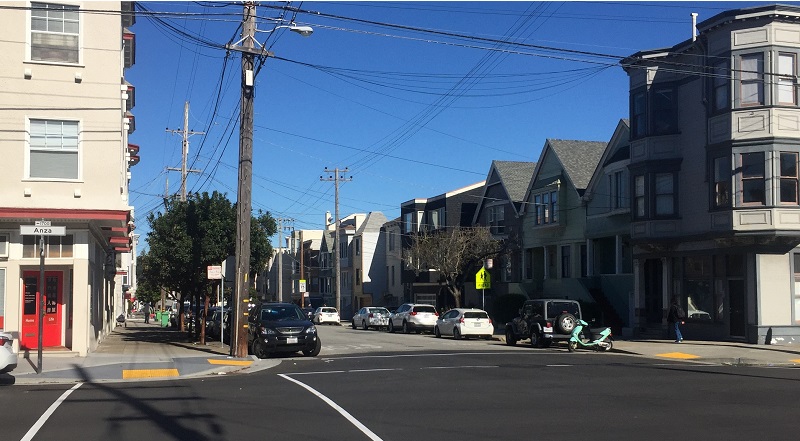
(146, 311)
(676, 317)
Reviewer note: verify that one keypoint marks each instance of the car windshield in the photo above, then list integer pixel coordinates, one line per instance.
(281, 313)
(556, 308)
(429, 309)
(329, 310)
(475, 315)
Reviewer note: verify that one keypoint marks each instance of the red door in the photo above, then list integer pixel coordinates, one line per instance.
(51, 326)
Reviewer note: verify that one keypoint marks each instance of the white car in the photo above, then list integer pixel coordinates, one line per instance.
(8, 358)
(325, 314)
(415, 317)
(371, 317)
(461, 322)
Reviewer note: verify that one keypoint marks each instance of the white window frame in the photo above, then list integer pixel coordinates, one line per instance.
(56, 8)
(4, 243)
(496, 215)
(33, 136)
(787, 78)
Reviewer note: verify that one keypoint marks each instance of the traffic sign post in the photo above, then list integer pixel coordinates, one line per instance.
(483, 281)
(41, 228)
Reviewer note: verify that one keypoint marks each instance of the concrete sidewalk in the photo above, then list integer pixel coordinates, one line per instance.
(137, 351)
(149, 352)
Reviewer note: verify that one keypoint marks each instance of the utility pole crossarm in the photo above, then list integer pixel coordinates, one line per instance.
(185, 155)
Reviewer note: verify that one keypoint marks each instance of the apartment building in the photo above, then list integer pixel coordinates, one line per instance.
(64, 127)
(714, 165)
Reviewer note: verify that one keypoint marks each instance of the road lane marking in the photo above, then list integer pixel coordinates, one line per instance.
(336, 407)
(48, 413)
(678, 355)
(559, 365)
(128, 374)
(460, 367)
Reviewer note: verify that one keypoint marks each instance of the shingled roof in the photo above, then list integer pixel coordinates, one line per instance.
(579, 158)
(515, 175)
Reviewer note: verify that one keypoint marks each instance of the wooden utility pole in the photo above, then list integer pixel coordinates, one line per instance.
(244, 190)
(335, 176)
(185, 147)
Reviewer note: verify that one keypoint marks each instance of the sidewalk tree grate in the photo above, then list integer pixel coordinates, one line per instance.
(128, 374)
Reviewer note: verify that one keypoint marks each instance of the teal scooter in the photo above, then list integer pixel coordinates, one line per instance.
(601, 342)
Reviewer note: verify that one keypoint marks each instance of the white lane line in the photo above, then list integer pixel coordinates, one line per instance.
(559, 365)
(459, 367)
(374, 370)
(48, 413)
(336, 407)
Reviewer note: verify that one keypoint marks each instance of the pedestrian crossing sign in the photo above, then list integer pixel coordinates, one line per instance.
(483, 280)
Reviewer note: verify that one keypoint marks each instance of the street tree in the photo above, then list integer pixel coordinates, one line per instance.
(191, 235)
(454, 253)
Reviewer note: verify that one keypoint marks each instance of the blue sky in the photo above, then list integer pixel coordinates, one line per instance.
(411, 113)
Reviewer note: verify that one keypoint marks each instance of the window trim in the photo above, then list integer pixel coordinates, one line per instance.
(758, 80)
(30, 32)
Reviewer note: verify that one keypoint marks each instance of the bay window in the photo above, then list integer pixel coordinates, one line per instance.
(787, 74)
(640, 210)
(753, 178)
(665, 194)
(722, 182)
(664, 111)
(789, 178)
(752, 79)
(719, 87)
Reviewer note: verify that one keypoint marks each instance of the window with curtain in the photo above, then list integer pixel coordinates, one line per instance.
(752, 79)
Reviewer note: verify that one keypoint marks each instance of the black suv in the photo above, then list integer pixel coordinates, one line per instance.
(281, 327)
(543, 321)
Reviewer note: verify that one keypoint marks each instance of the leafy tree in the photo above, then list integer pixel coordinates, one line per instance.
(454, 253)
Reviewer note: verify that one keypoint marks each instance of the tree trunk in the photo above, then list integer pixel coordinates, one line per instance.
(456, 293)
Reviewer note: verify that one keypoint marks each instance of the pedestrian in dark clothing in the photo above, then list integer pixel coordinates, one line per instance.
(146, 311)
(676, 317)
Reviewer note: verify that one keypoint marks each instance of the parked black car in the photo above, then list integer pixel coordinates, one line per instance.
(281, 327)
(543, 321)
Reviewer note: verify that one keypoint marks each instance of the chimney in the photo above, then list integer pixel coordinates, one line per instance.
(694, 26)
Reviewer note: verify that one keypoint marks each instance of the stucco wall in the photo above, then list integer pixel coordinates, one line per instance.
(774, 282)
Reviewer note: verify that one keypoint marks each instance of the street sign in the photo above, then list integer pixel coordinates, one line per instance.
(302, 285)
(214, 272)
(35, 230)
(483, 280)
(42, 223)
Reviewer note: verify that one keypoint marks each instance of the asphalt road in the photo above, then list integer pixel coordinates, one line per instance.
(410, 387)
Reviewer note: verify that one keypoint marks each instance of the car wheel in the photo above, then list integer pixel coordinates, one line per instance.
(436, 332)
(313, 352)
(572, 345)
(406, 329)
(364, 325)
(390, 328)
(565, 323)
(258, 349)
(511, 339)
(536, 340)
(353, 324)
(456, 334)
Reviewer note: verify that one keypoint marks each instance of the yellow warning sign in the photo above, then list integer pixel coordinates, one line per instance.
(483, 280)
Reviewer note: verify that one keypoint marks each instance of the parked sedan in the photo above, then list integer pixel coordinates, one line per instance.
(461, 322)
(8, 358)
(326, 314)
(413, 317)
(281, 327)
(371, 317)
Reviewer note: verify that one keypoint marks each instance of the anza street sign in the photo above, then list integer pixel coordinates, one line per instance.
(36, 230)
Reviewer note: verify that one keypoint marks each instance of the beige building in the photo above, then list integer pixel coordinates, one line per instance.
(64, 126)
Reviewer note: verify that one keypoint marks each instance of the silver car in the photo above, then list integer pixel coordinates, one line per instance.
(371, 317)
(413, 317)
(8, 358)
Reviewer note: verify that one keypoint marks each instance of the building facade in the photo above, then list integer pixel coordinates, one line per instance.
(64, 133)
(714, 160)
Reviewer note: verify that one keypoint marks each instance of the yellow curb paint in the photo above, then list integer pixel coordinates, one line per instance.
(148, 373)
(679, 355)
(796, 360)
(231, 362)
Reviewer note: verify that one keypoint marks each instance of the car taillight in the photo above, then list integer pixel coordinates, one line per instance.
(413, 313)
(436, 314)
(461, 320)
(4, 340)
(549, 325)
(490, 321)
